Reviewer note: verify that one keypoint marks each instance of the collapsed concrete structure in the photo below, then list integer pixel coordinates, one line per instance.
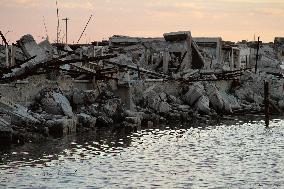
(57, 89)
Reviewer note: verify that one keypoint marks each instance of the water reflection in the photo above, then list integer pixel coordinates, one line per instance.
(234, 154)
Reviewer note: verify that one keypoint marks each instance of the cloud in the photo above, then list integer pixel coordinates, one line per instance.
(278, 12)
(66, 4)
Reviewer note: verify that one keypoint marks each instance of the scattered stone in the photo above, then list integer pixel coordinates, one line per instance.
(62, 127)
(164, 107)
(195, 92)
(87, 121)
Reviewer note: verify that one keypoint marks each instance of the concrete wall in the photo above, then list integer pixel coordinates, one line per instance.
(24, 92)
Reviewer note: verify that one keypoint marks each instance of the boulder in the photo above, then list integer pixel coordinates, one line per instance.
(104, 121)
(63, 102)
(112, 107)
(214, 97)
(202, 105)
(194, 93)
(87, 121)
(163, 96)
(31, 48)
(56, 104)
(164, 107)
(281, 104)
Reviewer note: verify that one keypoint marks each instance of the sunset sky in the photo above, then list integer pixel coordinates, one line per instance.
(231, 19)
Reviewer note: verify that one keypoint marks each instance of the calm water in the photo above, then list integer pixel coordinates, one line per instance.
(239, 155)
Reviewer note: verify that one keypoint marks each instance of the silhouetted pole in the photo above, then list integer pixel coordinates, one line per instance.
(256, 62)
(57, 28)
(66, 25)
(85, 28)
(266, 102)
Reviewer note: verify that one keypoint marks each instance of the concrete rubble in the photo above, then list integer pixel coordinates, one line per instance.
(59, 89)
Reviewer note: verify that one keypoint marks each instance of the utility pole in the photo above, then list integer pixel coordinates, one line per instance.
(66, 24)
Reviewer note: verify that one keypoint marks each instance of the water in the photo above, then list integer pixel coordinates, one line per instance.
(235, 155)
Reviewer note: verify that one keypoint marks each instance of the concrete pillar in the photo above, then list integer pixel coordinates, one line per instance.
(218, 51)
(239, 60)
(13, 54)
(232, 60)
(147, 56)
(189, 52)
(7, 55)
(125, 93)
(166, 59)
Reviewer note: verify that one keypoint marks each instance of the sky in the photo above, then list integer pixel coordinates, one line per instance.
(232, 20)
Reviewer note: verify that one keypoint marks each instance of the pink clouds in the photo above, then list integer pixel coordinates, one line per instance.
(231, 19)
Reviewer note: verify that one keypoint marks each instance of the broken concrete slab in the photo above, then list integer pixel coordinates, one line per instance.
(164, 107)
(193, 94)
(214, 96)
(19, 114)
(202, 105)
(63, 102)
(5, 132)
(55, 103)
(62, 127)
(31, 48)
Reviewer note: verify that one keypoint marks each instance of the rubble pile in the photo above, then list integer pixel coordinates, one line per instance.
(130, 83)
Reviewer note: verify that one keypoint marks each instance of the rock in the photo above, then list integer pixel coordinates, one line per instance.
(231, 100)
(56, 104)
(67, 48)
(62, 127)
(81, 97)
(5, 132)
(63, 102)
(31, 48)
(194, 93)
(112, 107)
(281, 104)
(164, 107)
(50, 106)
(134, 120)
(202, 105)
(150, 124)
(87, 120)
(214, 97)
(104, 121)
(163, 96)
(19, 114)
(183, 108)
(129, 113)
(174, 100)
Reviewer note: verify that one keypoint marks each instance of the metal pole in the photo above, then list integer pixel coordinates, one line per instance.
(66, 25)
(57, 14)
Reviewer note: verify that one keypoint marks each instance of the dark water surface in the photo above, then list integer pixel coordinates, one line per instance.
(238, 155)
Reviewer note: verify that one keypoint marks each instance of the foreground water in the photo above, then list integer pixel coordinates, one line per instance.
(239, 155)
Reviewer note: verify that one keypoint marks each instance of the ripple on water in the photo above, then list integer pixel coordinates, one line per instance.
(240, 155)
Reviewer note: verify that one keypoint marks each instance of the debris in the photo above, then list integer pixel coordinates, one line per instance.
(131, 82)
